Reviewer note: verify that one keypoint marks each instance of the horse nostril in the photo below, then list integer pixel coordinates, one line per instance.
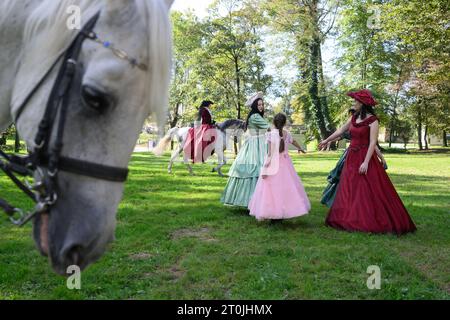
(73, 256)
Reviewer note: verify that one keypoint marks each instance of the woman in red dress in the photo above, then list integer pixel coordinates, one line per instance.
(198, 139)
(366, 200)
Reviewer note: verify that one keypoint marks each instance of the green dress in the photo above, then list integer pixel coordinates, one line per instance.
(244, 172)
(329, 193)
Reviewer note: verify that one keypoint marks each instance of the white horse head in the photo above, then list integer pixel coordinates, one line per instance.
(110, 100)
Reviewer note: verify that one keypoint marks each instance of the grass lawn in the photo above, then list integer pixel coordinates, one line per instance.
(176, 241)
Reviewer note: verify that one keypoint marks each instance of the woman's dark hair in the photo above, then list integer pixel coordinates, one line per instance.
(254, 110)
(206, 103)
(346, 135)
(365, 109)
(279, 122)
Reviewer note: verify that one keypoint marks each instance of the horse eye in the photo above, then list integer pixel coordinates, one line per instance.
(95, 99)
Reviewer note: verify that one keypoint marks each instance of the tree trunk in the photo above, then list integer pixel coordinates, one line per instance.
(320, 107)
(444, 139)
(391, 130)
(173, 123)
(426, 137)
(392, 122)
(238, 87)
(17, 143)
(419, 130)
(176, 116)
(238, 90)
(314, 88)
(364, 70)
(4, 136)
(323, 92)
(394, 109)
(2, 140)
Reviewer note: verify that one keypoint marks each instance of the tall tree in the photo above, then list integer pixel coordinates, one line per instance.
(367, 60)
(308, 22)
(421, 31)
(231, 64)
(187, 38)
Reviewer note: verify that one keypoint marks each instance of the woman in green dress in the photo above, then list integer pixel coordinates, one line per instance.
(244, 172)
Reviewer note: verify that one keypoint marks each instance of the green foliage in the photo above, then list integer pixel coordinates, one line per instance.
(218, 59)
(7, 140)
(305, 23)
(3, 138)
(420, 32)
(399, 49)
(187, 38)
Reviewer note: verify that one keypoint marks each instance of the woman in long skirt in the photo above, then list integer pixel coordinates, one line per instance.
(366, 199)
(329, 193)
(244, 172)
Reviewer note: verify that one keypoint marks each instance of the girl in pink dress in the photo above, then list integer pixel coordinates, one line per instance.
(279, 193)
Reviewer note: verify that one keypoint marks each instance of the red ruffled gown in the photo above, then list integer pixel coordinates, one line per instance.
(199, 138)
(367, 203)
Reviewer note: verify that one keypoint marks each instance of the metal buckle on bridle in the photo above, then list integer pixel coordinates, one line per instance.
(53, 173)
(39, 146)
(41, 207)
(43, 201)
(17, 221)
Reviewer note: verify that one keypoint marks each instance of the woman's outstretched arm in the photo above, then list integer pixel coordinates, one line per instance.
(297, 145)
(335, 135)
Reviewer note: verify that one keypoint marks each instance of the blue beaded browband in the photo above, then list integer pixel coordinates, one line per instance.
(121, 54)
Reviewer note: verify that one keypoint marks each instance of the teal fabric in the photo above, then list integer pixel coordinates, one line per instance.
(244, 172)
(329, 193)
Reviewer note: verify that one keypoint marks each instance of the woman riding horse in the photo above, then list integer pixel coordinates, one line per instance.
(200, 137)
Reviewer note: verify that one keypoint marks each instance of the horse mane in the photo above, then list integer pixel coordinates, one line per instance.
(46, 37)
(5, 9)
(231, 122)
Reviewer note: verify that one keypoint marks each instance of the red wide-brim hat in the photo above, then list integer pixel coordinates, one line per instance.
(364, 96)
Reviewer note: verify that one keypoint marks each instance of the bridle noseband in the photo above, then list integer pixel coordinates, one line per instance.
(47, 156)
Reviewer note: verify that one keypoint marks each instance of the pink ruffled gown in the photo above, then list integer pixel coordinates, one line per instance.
(281, 194)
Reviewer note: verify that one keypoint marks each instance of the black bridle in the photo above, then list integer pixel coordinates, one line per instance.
(46, 160)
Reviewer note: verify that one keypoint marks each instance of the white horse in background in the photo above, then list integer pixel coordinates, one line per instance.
(33, 34)
(224, 132)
